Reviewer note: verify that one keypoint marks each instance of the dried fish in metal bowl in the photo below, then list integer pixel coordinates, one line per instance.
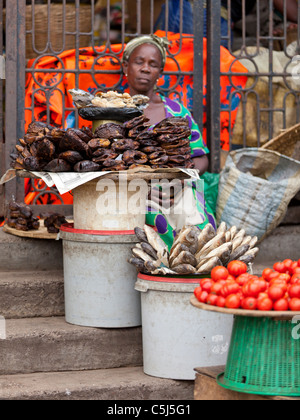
(194, 251)
(81, 98)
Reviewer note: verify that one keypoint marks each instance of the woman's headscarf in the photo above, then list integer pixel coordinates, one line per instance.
(160, 43)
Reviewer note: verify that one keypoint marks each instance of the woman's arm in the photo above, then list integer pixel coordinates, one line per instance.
(291, 9)
(201, 163)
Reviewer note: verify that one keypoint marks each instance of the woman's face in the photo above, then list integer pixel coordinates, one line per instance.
(143, 69)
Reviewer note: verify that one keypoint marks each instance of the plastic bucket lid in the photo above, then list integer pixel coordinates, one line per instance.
(67, 232)
(69, 227)
(167, 283)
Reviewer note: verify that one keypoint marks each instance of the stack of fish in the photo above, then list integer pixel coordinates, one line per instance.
(54, 221)
(20, 217)
(193, 251)
(113, 147)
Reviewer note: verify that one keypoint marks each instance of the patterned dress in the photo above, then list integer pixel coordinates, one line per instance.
(203, 213)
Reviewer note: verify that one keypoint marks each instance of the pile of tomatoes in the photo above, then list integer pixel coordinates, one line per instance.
(233, 287)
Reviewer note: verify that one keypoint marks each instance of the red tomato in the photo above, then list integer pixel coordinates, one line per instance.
(266, 273)
(295, 278)
(281, 305)
(242, 279)
(298, 262)
(263, 284)
(249, 303)
(280, 283)
(262, 296)
(229, 289)
(219, 273)
(221, 301)
(280, 267)
(245, 289)
(236, 268)
(288, 264)
(233, 301)
(203, 297)
(212, 299)
(294, 291)
(207, 285)
(231, 277)
(264, 304)
(285, 277)
(273, 275)
(216, 288)
(254, 289)
(276, 292)
(202, 281)
(296, 270)
(294, 304)
(197, 292)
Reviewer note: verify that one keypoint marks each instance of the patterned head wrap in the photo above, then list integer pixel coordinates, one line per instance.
(160, 43)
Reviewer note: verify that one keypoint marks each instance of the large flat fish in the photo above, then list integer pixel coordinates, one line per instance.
(187, 236)
(207, 234)
(138, 263)
(185, 257)
(249, 256)
(140, 234)
(184, 269)
(163, 271)
(241, 250)
(139, 253)
(217, 241)
(223, 252)
(176, 251)
(208, 264)
(158, 244)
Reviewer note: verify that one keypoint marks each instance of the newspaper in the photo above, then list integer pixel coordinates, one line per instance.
(67, 181)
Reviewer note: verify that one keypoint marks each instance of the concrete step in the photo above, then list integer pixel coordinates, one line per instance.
(29, 254)
(108, 384)
(27, 294)
(50, 344)
(283, 243)
(37, 254)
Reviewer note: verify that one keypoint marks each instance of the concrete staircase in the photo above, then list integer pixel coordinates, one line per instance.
(43, 357)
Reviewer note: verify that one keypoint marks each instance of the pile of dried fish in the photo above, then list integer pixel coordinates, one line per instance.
(110, 99)
(193, 251)
(54, 221)
(113, 147)
(21, 217)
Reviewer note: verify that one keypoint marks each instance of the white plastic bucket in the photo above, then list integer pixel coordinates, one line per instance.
(177, 337)
(98, 280)
(111, 203)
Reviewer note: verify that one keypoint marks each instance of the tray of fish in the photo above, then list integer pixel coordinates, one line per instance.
(194, 251)
(109, 105)
(112, 147)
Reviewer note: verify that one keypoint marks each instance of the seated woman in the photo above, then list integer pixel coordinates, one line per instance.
(144, 59)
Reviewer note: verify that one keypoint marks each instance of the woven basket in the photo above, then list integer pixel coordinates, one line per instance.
(59, 40)
(287, 143)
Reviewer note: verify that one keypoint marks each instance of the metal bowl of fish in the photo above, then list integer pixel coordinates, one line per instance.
(194, 252)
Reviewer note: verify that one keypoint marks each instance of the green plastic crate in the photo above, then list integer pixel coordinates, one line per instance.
(263, 359)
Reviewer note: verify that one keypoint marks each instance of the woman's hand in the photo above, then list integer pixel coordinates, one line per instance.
(201, 163)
